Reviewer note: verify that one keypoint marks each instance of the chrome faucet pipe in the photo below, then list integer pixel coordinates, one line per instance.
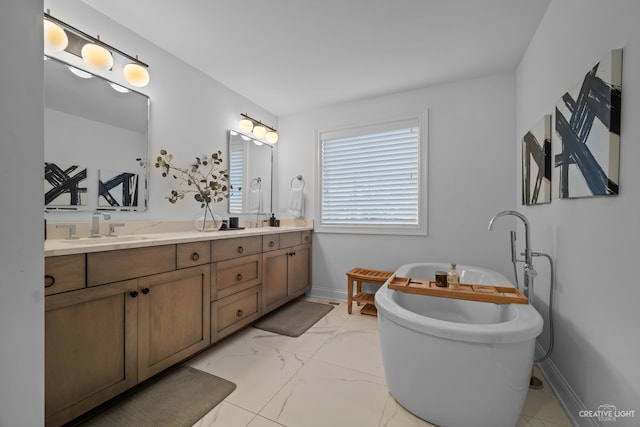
(95, 222)
(529, 272)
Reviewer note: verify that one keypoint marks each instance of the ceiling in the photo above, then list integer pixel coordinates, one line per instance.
(294, 55)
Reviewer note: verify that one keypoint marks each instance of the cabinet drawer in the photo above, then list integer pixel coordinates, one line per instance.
(64, 273)
(290, 239)
(270, 242)
(235, 275)
(233, 312)
(231, 248)
(115, 266)
(192, 254)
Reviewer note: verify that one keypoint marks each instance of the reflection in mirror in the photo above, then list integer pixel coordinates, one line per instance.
(250, 175)
(96, 142)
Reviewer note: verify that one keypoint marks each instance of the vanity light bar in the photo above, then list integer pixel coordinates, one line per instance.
(78, 41)
(260, 130)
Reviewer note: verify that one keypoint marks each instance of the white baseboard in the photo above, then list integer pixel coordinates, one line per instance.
(328, 293)
(563, 391)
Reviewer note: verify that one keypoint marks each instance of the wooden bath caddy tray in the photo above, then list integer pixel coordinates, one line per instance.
(467, 291)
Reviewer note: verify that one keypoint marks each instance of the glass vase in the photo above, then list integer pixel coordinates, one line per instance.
(206, 220)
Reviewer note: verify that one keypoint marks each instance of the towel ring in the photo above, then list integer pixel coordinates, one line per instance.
(258, 183)
(299, 178)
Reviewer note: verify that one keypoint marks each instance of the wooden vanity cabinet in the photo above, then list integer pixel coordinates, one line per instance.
(116, 318)
(236, 284)
(286, 271)
(90, 348)
(173, 318)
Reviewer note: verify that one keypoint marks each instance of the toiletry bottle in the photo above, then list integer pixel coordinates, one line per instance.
(453, 280)
(272, 220)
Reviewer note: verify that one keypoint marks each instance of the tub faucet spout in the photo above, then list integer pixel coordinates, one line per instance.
(529, 271)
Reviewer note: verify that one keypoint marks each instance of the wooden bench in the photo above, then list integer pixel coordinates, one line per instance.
(361, 275)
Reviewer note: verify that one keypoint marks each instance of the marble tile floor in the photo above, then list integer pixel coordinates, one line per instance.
(330, 376)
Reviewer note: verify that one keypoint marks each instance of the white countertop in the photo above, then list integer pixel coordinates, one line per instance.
(87, 244)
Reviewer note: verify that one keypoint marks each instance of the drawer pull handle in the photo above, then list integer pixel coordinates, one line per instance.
(292, 253)
(239, 277)
(240, 249)
(195, 256)
(272, 244)
(49, 281)
(133, 294)
(145, 290)
(239, 313)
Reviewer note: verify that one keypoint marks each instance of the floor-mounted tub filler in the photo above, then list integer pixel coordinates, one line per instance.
(452, 362)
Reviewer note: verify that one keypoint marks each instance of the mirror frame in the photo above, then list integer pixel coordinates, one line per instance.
(249, 141)
(93, 188)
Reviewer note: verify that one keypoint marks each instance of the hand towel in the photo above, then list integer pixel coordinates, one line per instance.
(296, 202)
(254, 198)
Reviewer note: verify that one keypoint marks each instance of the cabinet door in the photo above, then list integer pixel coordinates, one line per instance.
(299, 270)
(90, 348)
(173, 318)
(274, 279)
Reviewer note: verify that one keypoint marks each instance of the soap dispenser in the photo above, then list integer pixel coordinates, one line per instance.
(453, 280)
(272, 220)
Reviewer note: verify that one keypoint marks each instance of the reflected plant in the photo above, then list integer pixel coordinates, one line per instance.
(204, 178)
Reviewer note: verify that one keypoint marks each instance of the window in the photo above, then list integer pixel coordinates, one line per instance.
(373, 178)
(236, 179)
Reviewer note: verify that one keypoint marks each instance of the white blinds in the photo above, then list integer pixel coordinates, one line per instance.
(371, 178)
(236, 164)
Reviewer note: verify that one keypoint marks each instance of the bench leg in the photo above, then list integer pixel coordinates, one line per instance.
(349, 294)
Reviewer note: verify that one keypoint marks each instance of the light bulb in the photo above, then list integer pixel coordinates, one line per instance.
(272, 137)
(97, 56)
(245, 125)
(136, 74)
(80, 73)
(119, 88)
(55, 38)
(259, 131)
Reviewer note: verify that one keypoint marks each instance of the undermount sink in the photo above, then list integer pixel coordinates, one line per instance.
(105, 240)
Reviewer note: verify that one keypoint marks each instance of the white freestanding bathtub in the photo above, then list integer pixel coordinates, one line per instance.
(457, 363)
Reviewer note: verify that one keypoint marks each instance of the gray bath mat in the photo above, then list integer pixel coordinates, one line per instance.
(178, 398)
(294, 318)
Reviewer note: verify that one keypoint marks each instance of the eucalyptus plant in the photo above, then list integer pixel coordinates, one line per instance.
(205, 178)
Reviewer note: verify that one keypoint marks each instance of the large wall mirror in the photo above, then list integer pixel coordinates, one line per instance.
(250, 175)
(95, 142)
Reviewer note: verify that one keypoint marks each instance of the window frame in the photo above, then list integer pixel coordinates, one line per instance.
(419, 229)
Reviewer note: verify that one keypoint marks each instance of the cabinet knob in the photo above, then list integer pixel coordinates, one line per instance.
(195, 256)
(292, 253)
(145, 290)
(133, 294)
(239, 277)
(240, 249)
(239, 313)
(49, 281)
(272, 244)
(306, 238)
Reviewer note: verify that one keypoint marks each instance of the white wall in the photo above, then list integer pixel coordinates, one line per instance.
(21, 227)
(190, 112)
(594, 241)
(470, 178)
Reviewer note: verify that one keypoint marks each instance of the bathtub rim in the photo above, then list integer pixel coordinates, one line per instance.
(525, 323)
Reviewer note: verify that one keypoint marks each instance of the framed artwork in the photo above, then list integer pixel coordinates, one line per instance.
(587, 124)
(64, 186)
(536, 163)
(117, 189)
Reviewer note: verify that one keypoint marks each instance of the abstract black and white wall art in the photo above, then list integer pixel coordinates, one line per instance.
(587, 123)
(536, 163)
(117, 189)
(64, 186)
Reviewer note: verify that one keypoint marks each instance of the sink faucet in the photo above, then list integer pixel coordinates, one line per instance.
(95, 223)
(529, 272)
